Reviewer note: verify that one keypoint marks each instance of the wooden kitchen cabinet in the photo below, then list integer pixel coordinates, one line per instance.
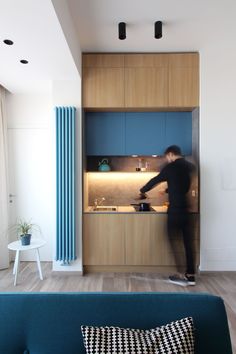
(103, 81)
(141, 81)
(146, 80)
(146, 88)
(183, 80)
(144, 239)
(103, 87)
(147, 242)
(133, 240)
(103, 239)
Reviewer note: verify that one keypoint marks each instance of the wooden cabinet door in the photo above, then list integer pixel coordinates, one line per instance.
(184, 80)
(105, 133)
(179, 131)
(146, 87)
(103, 81)
(144, 239)
(147, 242)
(103, 87)
(104, 239)
(146, 80)
(145, 133)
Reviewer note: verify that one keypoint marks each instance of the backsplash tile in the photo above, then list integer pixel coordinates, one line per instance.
(126, 163)
(121, 188)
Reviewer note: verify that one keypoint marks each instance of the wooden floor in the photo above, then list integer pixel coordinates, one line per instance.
(219, 283)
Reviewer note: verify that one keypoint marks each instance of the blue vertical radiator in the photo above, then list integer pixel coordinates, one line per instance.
(65, 171)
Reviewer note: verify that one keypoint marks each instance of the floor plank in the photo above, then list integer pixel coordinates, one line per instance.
(218, 283)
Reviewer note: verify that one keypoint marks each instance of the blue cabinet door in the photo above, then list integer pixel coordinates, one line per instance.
(145, 133)
(105, 133)
(179, 131)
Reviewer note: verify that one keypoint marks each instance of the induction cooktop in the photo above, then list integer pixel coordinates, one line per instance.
(136, 207)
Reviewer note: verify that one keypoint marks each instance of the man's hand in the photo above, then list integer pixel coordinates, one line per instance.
(141, 196)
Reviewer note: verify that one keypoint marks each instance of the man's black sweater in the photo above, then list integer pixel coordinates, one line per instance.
(177, 174)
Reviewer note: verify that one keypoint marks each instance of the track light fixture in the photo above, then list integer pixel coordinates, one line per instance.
(158, 29)
(122, 30)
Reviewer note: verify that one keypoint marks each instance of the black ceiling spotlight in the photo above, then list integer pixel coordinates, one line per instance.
(8, 42)
(122, 30)
(158, 29)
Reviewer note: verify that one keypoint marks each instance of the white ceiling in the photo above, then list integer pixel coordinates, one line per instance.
(187, 24)
(37, 32)
(37, 35)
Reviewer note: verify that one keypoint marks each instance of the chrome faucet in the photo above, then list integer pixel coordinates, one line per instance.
(99, 201)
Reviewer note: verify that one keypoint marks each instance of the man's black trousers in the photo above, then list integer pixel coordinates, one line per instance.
(179, 226)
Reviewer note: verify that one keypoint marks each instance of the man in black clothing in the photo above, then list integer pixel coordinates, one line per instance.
(177, 173)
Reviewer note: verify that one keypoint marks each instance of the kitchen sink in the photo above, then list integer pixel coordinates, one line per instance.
(104, 208)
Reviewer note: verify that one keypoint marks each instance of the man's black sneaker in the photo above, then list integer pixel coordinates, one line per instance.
(191, 279)
(182, 280)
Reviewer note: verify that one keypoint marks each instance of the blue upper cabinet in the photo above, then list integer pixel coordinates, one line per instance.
(137, 133)
(105, 133)
(179, 130)
(145, 133)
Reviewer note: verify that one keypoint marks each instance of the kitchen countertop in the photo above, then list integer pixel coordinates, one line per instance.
(128, 209)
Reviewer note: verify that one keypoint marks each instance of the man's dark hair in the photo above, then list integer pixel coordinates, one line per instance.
(174, 149)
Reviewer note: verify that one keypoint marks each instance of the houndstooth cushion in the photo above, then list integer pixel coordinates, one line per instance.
(175, 337)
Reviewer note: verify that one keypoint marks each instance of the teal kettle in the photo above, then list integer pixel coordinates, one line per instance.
(103, 166)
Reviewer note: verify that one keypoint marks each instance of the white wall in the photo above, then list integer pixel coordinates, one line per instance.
(32, 159)
(32, 164)
(31, 135)
(218, 152)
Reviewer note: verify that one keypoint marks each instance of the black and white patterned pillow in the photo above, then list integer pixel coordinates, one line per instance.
(175, 337)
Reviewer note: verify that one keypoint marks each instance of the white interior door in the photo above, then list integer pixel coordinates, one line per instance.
(12, 195)
(32, 184)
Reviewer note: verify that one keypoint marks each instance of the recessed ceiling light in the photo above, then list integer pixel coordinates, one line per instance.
(23, 61)
(8, 42)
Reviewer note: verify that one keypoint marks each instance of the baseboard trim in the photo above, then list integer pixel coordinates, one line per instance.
(129, 269)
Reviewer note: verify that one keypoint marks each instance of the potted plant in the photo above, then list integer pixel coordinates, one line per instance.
(24, 229)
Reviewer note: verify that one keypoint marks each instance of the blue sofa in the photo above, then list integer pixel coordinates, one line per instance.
(49, 323)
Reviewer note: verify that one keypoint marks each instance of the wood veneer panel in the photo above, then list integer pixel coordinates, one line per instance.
(104, 239)
(144, 239)
(103, 60)
(146, 60)
(183, 80)
(146, 87)
(103, 87)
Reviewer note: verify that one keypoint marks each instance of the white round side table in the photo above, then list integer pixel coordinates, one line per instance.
(34, 245)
